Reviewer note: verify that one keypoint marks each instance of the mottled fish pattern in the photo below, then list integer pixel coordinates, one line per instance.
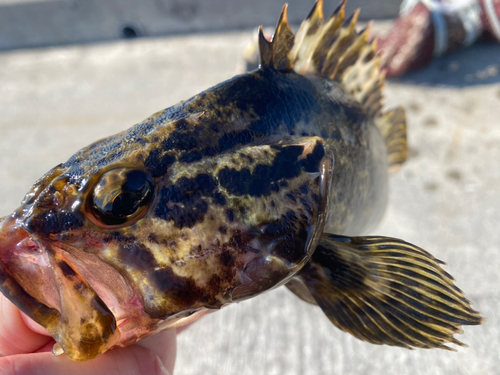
(249, 185)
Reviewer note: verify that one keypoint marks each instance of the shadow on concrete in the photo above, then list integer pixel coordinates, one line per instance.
(477, 65)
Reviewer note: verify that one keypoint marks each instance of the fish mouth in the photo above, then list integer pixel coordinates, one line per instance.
(85, 304)
(42, 282)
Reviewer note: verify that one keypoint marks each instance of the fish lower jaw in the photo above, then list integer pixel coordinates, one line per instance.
(50, 285)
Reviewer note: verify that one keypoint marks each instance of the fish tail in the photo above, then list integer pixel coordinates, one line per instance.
(385, 291)
(332, 48)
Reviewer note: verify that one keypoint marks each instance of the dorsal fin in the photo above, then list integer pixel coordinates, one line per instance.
(333, 49)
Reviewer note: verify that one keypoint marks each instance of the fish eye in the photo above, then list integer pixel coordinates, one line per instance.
(120, 197)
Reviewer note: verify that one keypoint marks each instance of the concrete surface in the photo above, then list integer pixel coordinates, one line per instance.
(34, 23)
(446, 198)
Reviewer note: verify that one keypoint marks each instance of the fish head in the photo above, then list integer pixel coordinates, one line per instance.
(122, 241)
(50, 265)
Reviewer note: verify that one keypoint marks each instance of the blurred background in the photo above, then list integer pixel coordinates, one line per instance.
(73, 71)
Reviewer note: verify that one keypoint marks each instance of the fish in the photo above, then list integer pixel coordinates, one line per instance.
(268, 179)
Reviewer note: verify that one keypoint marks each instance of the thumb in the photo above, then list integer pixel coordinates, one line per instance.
(153, 356)
(164, 345)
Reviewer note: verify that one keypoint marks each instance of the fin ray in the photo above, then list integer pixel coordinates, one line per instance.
(392, 126)
(376, 326)
(384, 324)
(265, 49)
(420, 286)
(387, 291)
(426, 309)
(438, 301)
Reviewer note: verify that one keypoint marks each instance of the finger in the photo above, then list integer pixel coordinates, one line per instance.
(15, 336)
(34, 326)
(164, 345)
(132, 360)
(47, 347)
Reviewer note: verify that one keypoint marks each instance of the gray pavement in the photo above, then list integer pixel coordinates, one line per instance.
(446, 198)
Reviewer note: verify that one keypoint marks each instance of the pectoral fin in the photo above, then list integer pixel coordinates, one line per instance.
(387, 291)
(300, 289)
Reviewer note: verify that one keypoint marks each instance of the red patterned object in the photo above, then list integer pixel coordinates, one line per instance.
(490, 17)
(427, 28)
(410, 43)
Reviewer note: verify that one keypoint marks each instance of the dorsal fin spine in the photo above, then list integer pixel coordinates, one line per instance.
(316, 12)
(265, 48)
(282, 42)
(334, 50)
(341, 7)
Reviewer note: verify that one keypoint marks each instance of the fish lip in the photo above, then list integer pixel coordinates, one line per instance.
(14, 239)
(22, 251)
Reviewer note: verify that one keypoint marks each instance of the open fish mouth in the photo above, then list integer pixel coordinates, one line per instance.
(86, 305)
(44, 283)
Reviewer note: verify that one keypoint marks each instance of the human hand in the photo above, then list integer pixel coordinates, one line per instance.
(26, 349)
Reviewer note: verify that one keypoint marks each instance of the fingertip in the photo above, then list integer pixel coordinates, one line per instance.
(132, 360)
(16, 336)
(164, 345)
